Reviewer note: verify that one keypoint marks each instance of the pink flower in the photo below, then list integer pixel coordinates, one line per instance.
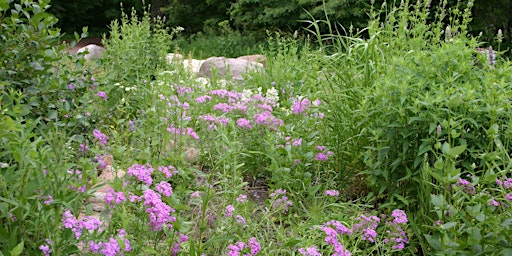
(102, 95)
(102, 138)
(244, 123)
(332, 193)
(164, 188)
(301, 106)
(229, 210)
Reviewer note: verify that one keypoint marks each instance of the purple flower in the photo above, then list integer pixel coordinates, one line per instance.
(102, 94)
(84, 148)
(224, 107)
(254, 245)
(49, 200)
(203, 99)
(493, 202)
(169, 171)
(241, 198)
(142, 173)
(310, 251)
(322, 157)
(71, 86)
(468, 187)
(45, 248)
(244, 123)
(196, 194)
(240, 219)
(159, 212)
(164, 188)
(90, 223)
(297, 142)
(301, 106)
(400, 216)
(332, 192)
(509, 196)
(229, 210)
(112, 196)
(102, 138)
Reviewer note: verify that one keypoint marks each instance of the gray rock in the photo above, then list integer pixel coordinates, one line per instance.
(228, 67)
(93, 51)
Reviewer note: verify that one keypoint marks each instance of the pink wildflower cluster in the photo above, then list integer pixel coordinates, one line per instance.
(281, 201)
(182, 131)
(332, 229)
(301, 106)
(159, 212)
(252, 245)
(76, 226)
(176, 246)
(113, 246)
(213, 121)
(310, 251)
(45, 248)
(113, 196)
(102, 138)
(322, 156)
(183, 89)
(142, 173)
(332, 192)
(228, 212)
(102, 95)
(367, 226)
(396, 234)
(466, 185)
(168, 171)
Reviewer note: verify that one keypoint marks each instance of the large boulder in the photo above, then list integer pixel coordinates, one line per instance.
(93, 51)
(228, 67)
(255, 58)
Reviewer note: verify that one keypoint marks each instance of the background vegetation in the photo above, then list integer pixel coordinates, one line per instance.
(394, 139)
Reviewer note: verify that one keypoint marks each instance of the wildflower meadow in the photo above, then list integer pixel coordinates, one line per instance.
(392, 140)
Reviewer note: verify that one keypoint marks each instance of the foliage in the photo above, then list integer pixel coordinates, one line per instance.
(275, 164)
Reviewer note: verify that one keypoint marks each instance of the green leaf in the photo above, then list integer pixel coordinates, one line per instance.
(18, 249)
(433, 241)
(449, 225)
(437, 200)
(4, 5)
(454, 152)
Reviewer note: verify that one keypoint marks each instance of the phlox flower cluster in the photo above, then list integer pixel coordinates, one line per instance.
(113, 196)
(310, 251)
(45, 248)
(159, 212)
(466, 185)
(301, 106)
(322, 156)
(395, 233)
(506, 183)
(281, 201)
(213, 121)
(228, 212)
(367, 227)
(168, 171)
(252, 246)
(183, 131)
(332, 229)
(112, 247)
(176, 246)
(76, 226)
(102, 95)
(102, 138)
(332, 192)
(141, 172)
